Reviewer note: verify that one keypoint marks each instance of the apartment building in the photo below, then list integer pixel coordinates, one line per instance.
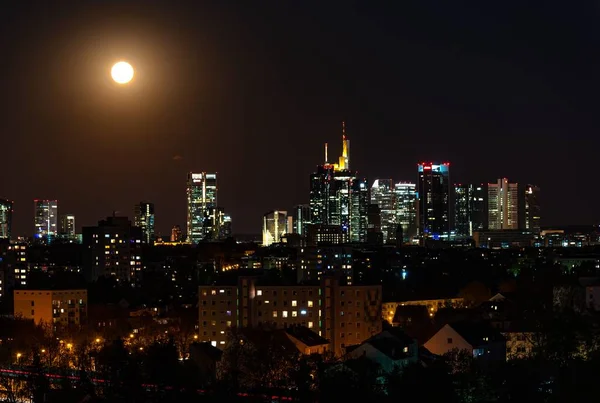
(344, 315)
(57, 308)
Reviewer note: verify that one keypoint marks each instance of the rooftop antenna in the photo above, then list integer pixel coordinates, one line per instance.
(326, 154)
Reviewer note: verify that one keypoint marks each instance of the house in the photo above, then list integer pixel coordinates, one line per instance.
(307, 341)
(479, 338)
(391, 349)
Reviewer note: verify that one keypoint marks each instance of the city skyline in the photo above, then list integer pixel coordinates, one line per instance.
(225, 94)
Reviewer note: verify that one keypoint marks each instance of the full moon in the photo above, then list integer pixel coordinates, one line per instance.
(122, 72)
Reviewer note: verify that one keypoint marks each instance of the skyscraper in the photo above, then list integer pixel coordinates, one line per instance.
(6, 211)
(45, 219)
(67, 225)
(463, 195)
(201, 206)
(406, 207)
(382, 194)
(338, 197)
(274, 226)
(532, 208)
(503, 205)
(434, 200)
(144, 218)
(300, 219)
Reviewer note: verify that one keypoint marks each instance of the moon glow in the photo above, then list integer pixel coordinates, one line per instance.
(122, 72)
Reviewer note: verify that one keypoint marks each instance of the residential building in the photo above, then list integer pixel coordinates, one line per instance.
(67, 226)
(478, 338)
(344, 315)
(388, 309)
(56, 308)
(113, 249)
(392, 349)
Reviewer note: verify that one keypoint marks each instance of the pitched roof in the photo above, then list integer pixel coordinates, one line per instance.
(306, 336)
(477, 333)
(390, 346)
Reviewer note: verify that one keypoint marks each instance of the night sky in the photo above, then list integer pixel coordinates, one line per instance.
(252, 90)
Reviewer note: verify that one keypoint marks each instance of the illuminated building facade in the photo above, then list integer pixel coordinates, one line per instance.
(113, 249)
(300, 219)
(382, 194)
(45, 219)
(503, 205)
(338, 197)
(67, 225)
(532, 208)
(470, 209)
(224, 225)
(345, 315)
(406, 206)
(274, 227)
(434, 200)
(202, 209)
(144, 219)
(6, 212)
(176, 234)
(57, 308)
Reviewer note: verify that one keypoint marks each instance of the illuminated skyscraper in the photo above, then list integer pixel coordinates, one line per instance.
(67, 225)
(45, 219)
(382, 194)
(144, 219)
(274, 227)
(176, 234)
(406, 206)
(201, 206)
(338, 197)
(503, 205)
(532, 209)
(300, 219)
(434, 200)
(6, 211)
(470, 208)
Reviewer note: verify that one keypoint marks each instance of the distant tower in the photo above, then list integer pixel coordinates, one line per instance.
(202, 210)
(274, 227)
(45, 219)
(176, 234)
(6, 211)
(67, 225)
(434, 200)
(144, 219)
(338, 197)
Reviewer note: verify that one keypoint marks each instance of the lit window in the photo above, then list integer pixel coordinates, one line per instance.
(294, 303)
(259, 292)
(294, 314)
(213, 292)
(310, 304)
(310, 325)
(285, 315)
(303, 312)
(274, 314)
